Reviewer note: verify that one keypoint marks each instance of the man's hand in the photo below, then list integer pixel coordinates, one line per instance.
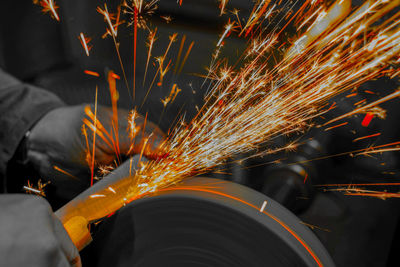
(59, 151)
(31, 235)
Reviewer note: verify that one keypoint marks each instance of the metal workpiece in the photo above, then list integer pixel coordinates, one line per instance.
(95, 203)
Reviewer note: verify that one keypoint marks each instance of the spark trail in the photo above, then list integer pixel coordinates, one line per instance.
(48, 6)
(258, 102)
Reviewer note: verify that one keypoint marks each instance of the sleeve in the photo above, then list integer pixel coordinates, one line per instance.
(31, 234)
(21, 105)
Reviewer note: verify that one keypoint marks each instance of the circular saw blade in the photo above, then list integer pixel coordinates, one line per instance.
(205, 222)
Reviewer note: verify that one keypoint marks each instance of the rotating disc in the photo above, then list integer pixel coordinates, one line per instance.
(205, 222)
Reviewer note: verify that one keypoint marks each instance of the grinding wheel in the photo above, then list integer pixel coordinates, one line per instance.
(205, 222)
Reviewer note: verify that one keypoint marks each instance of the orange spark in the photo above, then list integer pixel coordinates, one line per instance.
(114, 98)
(178, 58)
(64, 172)
(186, 57)
(367, 119)
(315, 227)
(228, 27)
(94, 141)
(167, 19)
(339, 125)
(48, 6)
(366, 137)
(88, 156)
(115, 76)
(255, 102)
(255, 15)
(360, 102)
(163, 70)
(151, 39)
(85, 43)
(133, 129)
(172, 95)
(354, 191)
(365, 184)
(222, 6)
(92, 73)
(113, 31)
(358, 110)
(37, 190)
(135, 26)
(107, 18)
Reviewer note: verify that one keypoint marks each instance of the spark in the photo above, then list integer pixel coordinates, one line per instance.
(255, 16)
(48, 6)
(228, 28)
(98, 127)
(222, 6)
(361, 109)
(186, 57)
(315, 227)
(354, 191)
(37, 190)
(97, 196)
(87, 151)
(94, 141)
(263, 206)
(112, 189)
(105, 169)
(178, 58)
(85, 43)
(172, 95)
(336, 126)
(64, 172)
(135, 26)
(112, 29)
(140, 11)
(366, 137)
(115, 76)
(151, 39)
(161, 69)
(367, 119)
(365, 184)
(92, 73)
(133, 128)
(167, 19)
(360, 102)
(256, 103)
(375, 151)
(305, 178)
(114, 99)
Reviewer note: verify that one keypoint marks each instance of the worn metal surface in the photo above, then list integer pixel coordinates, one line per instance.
(205, 222)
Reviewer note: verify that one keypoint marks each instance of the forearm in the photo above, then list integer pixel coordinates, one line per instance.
(21, 105)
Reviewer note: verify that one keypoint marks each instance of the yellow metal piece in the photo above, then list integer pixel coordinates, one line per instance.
(98, 201)
(78, 231)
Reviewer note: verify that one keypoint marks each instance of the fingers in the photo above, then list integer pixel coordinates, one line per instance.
(66, 245)
(128, 134)
(146, 138)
